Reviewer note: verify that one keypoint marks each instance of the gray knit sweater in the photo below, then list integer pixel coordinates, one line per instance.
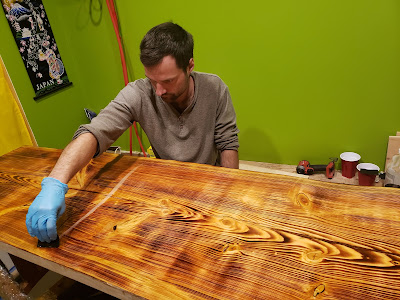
(206, 127)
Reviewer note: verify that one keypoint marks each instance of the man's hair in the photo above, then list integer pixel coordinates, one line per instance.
(166, 39)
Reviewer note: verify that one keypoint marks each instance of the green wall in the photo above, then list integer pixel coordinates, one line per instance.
(91, 61)
(309, 79)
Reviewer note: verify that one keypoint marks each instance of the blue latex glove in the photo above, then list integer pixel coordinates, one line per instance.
(45, 209)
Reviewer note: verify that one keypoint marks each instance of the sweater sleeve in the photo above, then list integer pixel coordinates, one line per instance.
(114, 119)
(226, 131)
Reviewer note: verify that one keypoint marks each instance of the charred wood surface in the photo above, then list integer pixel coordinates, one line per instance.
(187, 231)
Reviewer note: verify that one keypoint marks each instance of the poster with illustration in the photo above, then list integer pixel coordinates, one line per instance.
(38, 48)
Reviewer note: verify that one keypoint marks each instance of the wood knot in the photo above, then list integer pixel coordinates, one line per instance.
(164, 202)
(319, 290)
(167, 208)
(313, 256)
(230, 248)
(227, 223)
(303, 200)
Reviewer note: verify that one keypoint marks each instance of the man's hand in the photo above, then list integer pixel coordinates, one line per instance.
(45, 210)
(50, 203)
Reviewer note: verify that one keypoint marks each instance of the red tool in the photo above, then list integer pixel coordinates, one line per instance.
(304, 167)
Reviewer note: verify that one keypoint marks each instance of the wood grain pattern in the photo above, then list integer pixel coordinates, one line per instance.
(178, 230)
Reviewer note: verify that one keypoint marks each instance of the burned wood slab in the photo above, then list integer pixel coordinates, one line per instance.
(172, 230)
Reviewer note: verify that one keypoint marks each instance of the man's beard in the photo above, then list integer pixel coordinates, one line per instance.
(169, 97)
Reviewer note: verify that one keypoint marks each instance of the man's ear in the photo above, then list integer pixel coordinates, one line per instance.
(190, 67)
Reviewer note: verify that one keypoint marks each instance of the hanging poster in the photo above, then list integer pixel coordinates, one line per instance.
(38, 48)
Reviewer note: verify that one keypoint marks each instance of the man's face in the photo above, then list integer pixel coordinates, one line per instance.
(170, 82)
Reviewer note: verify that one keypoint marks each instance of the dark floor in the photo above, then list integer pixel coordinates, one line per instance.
(78, 291)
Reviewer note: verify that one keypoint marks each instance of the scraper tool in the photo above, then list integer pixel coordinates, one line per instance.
(52, 244)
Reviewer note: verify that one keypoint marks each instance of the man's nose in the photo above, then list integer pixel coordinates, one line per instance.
(160, 90)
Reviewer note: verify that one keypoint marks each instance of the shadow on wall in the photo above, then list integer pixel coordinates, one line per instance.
(257, 146)
(90, 11)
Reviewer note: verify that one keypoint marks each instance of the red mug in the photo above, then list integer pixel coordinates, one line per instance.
(349, 163)
(367, 173)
